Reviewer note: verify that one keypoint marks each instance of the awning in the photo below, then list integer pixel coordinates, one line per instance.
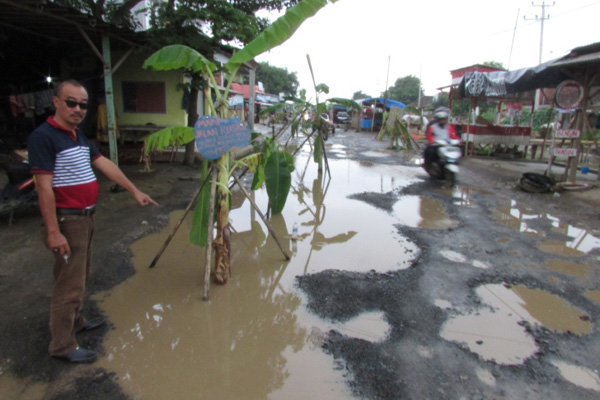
(550, 74)
(379, 101)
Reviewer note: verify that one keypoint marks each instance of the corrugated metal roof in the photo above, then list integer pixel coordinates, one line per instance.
(577, 60)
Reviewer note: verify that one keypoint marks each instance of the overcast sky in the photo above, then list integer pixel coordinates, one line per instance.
(350, 42)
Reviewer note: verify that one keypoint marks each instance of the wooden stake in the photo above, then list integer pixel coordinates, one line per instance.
(164, 246)
(245, 192)
(211, 214)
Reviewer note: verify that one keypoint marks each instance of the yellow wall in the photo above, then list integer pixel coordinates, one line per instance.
(131, 71)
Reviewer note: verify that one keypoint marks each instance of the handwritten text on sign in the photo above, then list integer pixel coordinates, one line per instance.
(564, 152)
(567, 133)
(215, 136)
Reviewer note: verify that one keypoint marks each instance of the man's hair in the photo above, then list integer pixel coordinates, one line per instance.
(72, 82)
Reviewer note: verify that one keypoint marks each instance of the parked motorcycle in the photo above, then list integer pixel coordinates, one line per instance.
(445, 166)
(18, 193)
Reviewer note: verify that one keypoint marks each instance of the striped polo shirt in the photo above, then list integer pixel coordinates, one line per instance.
(66, 155)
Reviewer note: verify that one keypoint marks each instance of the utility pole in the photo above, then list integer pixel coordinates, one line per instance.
(541, 19)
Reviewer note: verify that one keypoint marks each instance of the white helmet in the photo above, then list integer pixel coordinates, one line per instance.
(441, 113)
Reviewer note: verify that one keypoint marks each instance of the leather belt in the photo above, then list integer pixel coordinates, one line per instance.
(76, 211)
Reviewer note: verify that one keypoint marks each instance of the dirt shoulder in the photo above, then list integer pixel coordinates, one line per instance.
(26, 283)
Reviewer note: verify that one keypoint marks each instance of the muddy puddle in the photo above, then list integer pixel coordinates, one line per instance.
(254, 337)
(423, 212)
(496, 332)
(578, 375)
(579, 241)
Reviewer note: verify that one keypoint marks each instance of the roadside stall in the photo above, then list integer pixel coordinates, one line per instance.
(371, 116)
(576, 81)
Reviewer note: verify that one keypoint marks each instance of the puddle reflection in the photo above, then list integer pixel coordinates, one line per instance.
(423, 212)
(581, 241)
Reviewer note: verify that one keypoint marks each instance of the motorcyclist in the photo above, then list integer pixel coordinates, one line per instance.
(438, 131)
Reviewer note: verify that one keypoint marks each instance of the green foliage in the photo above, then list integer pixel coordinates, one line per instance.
(178, 57)
(117, 13)
(278, 179)
(489, 115)
(277, 80)
(542, 117)
(494, 64)
(203, 25)
(360, 95)
(278, 32)
(171, 136)
(461, 108)
(442, 100)
(405, 89)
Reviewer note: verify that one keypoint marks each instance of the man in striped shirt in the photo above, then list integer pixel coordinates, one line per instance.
(61, 159)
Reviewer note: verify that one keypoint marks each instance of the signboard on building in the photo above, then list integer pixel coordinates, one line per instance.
(215, 136)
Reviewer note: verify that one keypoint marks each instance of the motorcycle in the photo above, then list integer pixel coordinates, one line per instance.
(445, 166)
(326, 126)
(18, 193)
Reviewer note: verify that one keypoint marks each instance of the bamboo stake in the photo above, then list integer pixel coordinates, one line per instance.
(211, 211)
(245, 192)
(176, 227)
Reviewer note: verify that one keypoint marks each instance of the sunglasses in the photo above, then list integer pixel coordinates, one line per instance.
(73, 104)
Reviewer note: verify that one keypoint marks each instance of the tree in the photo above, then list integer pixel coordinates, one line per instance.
(360, 95)
(442, 100)
(405, 89)
(201, 25)
(277, 80)
(494, 64)
(215, 13)
(276, 166)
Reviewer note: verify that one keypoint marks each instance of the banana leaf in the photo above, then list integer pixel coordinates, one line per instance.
(259, 178)
(278, 179)
(277, 33)
(171, 136)
(178, 56)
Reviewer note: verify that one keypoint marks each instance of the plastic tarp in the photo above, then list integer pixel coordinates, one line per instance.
(504, 83)
(389, 103)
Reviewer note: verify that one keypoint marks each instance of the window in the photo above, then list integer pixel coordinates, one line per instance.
(144, 97)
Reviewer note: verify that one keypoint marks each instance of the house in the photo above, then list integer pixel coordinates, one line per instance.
(42, 43)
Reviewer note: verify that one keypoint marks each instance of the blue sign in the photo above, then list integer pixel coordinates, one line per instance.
(215, 136)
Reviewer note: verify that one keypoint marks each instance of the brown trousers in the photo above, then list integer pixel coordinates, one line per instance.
(69, 283)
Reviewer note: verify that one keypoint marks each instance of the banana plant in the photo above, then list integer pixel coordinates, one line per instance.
(277, 166)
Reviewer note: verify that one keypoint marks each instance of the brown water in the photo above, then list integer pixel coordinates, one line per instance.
(593, 295)
(423, 212)
(493, 332)
(254, 338)
(567, 268)
(12, 388)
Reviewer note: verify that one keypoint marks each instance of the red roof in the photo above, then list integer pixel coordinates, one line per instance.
(459, 73)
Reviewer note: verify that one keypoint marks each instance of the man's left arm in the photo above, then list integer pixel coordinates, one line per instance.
(114, 173)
